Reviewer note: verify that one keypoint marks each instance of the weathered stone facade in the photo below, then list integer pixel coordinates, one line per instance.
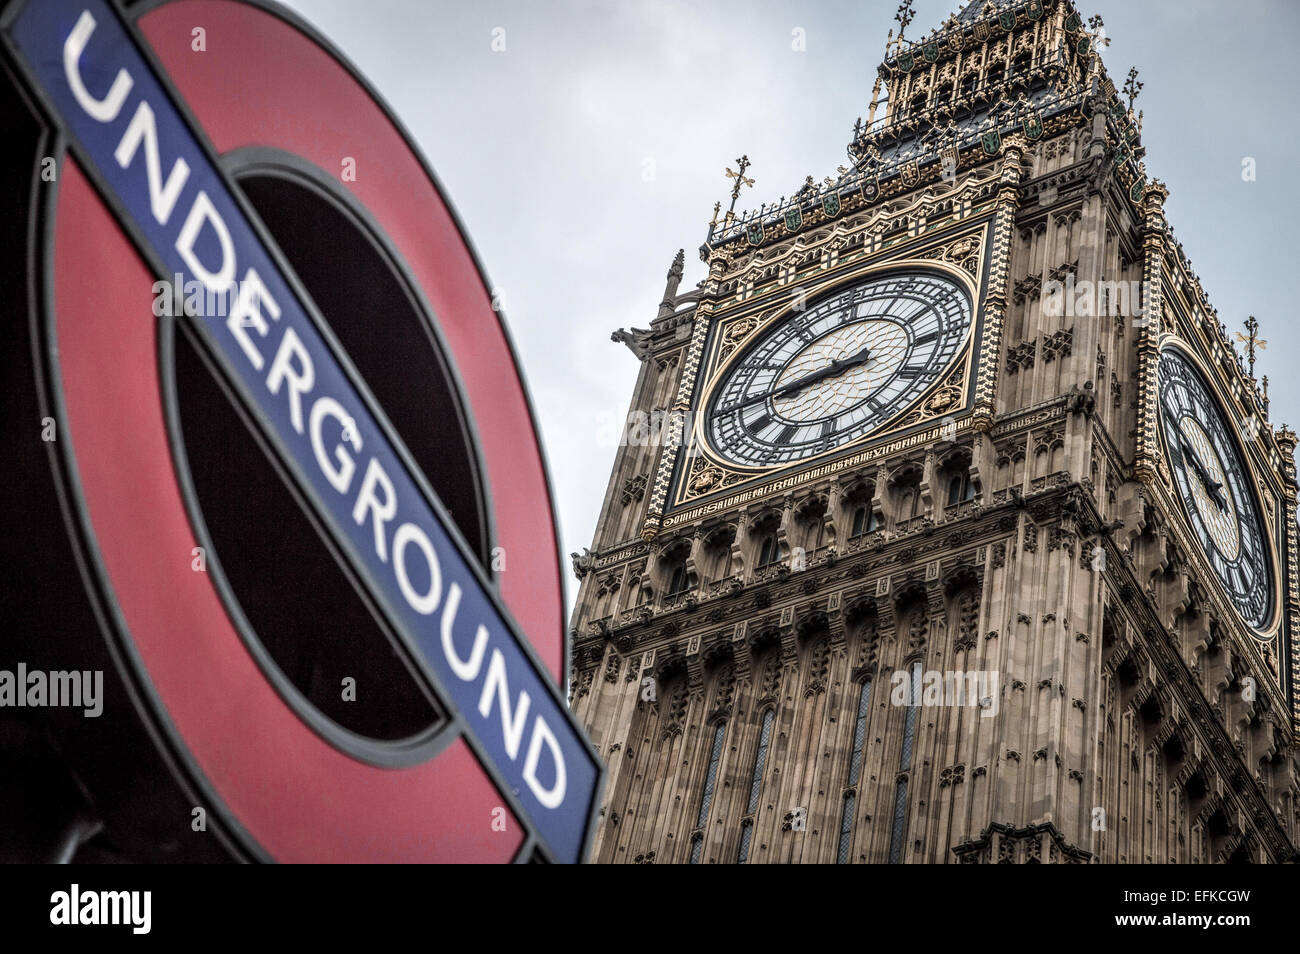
(745, 644)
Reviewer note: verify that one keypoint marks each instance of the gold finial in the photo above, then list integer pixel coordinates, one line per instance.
(875, 101)
(1132, 87)
(1252, 342)
(1098, 29)
(741, 179)
(717, 207)
(904, 16)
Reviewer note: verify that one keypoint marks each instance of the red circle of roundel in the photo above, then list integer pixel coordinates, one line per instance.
(262, 82)
(265, 82)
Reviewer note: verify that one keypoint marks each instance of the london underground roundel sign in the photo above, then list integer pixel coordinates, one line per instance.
(243, 268)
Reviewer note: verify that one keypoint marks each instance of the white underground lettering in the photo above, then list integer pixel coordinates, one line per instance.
(256, 328)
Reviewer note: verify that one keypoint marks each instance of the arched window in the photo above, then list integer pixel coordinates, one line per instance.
(855, 769)
(969, 83)
(908, 499)
(755, 784)
(905, 492)
(605, 598)
(670, 572)
(811, 522)
(960, 488)
(717, 553)
(997, 72)
(769, 551)
(1021, 63)
(904, 771)
(864, 521)
(679, 581)
(918, 102)
(710, 781)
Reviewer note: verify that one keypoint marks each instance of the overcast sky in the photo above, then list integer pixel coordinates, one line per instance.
(583, 155)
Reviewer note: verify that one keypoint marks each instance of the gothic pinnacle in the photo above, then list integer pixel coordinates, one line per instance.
(679, 262)
(669, 302)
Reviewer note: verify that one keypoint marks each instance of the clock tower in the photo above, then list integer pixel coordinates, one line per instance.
(948, 525)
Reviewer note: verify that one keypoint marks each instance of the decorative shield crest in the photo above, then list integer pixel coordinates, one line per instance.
(981, 32)
(956, 42)
(1130, 133)
(948, 157)
(1073, 23)
(1035, 10)
(1007, 19)
(1118, 112)
(1085, 45)
(1122, 155)
(930, 51)
(910, 173)
(1033, 124)
(794, 219)
(992, 142)
(870, 187)
(755, 233)
(1138, 189)
(905, 62)
(831, 204)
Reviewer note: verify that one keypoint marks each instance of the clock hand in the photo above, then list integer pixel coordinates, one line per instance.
(1194, 459)
(1212, 487)
(836, 367)
(794, 387)
(1217, 495)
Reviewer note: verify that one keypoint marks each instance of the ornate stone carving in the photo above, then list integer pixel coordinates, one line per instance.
(633, 489)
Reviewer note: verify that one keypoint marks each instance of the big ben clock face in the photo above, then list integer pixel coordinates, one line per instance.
(1212, 479)
(839, 369)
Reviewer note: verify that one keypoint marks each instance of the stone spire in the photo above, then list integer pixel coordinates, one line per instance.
(670, 289)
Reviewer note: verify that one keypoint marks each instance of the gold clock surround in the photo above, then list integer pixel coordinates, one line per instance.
(958, 258)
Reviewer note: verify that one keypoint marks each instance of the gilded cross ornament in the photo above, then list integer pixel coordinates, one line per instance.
(741, 180)
(1252, 341)
(1132, 87)
(904, 16)
(1098, 29)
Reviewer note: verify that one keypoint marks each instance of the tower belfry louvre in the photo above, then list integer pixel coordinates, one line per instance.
(949, 526)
